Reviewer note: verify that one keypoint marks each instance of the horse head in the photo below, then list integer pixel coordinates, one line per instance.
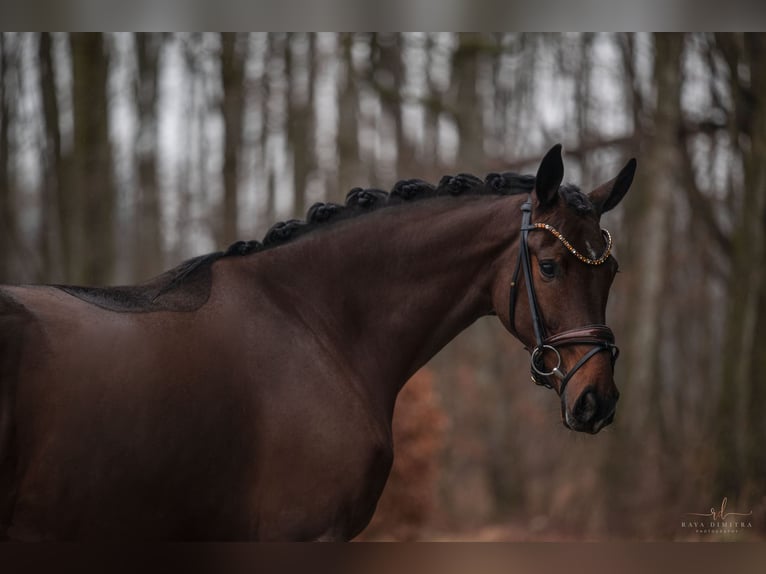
(558, 276)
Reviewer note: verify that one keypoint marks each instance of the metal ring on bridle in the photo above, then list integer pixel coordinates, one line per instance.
(538, 351)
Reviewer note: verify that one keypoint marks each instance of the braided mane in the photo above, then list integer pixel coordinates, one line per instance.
(360, 201)
(195, 276)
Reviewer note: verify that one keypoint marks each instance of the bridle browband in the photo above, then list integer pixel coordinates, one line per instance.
(599, 336)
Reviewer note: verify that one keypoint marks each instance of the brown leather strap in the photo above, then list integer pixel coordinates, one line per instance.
(600, 337)
(588, 335)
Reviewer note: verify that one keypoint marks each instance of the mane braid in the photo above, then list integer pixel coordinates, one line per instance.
(187, 286)
(360, 201)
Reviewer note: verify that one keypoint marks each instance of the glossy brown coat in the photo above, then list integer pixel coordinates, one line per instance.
(264, 413)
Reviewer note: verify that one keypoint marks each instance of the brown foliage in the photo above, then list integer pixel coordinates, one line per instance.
(410, 496)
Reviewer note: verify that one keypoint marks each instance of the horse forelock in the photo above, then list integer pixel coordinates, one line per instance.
(576, 199)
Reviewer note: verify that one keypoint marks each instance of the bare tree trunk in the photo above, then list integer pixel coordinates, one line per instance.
(300, 118)
(465, 64)
(192, 178)
(740, 447)
(658, 184)
(755, 438)
(233, 58)
(741, 309)
(433, 107)
(348, 125)
(7, 214)
(650, 218)
(148, 254)
(267, 171)
(635, 105)
(583, 97)
(54, 172)
(388, 59)
(88, 206)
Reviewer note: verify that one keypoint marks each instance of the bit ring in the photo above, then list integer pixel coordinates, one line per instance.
(538, 353)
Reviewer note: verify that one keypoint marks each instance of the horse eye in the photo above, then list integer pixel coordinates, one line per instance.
(548, 268)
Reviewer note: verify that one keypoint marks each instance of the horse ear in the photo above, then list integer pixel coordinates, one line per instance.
(609, 194)
(548, 178)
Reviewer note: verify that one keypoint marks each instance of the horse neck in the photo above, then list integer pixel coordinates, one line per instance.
(391, 288)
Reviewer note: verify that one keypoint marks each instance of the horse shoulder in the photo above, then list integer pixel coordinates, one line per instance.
(317, 420)
(15, 321)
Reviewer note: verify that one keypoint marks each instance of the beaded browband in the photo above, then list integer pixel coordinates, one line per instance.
(574, 251)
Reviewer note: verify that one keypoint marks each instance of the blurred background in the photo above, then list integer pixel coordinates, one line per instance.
(123, 154)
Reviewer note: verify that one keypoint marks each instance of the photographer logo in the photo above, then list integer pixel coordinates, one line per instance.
(718, 521)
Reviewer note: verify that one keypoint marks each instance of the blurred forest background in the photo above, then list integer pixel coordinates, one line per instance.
(123, 154)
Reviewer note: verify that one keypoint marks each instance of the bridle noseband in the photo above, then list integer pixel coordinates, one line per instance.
(599, 336)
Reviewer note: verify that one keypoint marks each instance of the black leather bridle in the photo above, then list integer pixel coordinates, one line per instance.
(599, 336)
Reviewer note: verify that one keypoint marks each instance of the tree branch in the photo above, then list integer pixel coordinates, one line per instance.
(701, 206)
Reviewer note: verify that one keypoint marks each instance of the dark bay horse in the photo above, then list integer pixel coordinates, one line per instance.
(249, 394)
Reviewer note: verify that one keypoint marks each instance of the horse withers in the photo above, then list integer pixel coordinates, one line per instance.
(249, 394)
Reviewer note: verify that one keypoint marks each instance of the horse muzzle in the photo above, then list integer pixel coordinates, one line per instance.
(590, 412)
(599, 337)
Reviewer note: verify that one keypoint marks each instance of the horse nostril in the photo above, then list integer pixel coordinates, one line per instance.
(586, 408)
